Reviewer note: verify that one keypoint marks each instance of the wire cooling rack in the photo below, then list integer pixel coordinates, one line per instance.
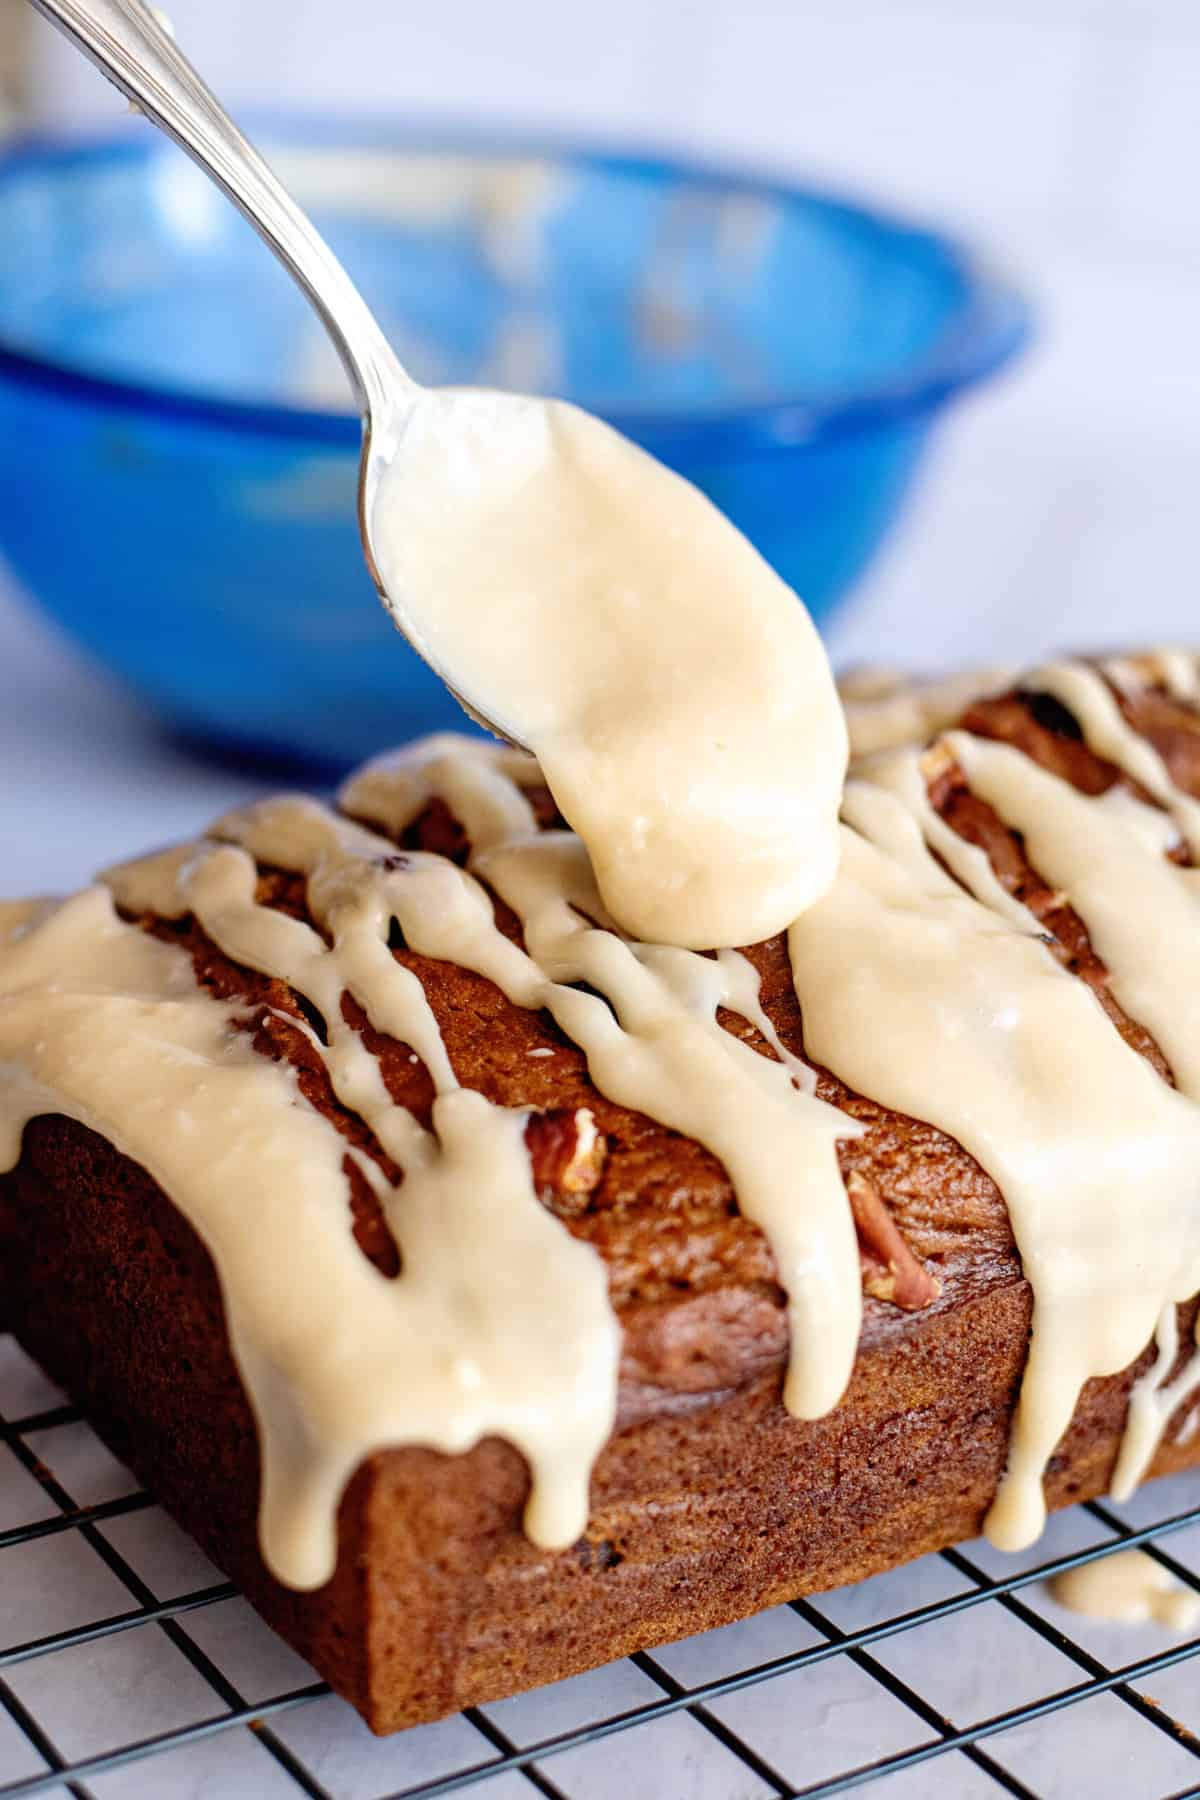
(129, 1669)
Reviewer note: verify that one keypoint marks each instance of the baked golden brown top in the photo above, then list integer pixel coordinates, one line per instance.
(693, 1282)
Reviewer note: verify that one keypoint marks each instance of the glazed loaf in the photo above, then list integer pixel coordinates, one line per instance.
(709, 1501)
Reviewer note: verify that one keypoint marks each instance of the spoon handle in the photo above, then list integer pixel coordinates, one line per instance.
(129, 45)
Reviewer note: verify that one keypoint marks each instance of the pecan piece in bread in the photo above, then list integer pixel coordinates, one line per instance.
(890, 1271)
(567, 1154)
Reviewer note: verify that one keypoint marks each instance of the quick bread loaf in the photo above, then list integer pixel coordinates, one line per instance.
(492, 1296)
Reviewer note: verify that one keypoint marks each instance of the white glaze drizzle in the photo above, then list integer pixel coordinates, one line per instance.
(983, 1034)
(887, 708)
(1179, 671)
(466, 1205)
(1176, 670)
(1106, 855)
(467, 1354)
(338, 1361)
(904, 773)
(934, 1003)
(1153, 1401)
(1106, 731)
(1129, 1588)
(652, 1042)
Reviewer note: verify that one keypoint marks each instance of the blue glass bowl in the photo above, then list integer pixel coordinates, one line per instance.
(177, 452)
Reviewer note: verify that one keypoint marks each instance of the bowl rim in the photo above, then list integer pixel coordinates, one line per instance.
(991, 324)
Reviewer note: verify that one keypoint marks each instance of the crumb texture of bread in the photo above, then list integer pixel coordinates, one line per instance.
(710, 1501)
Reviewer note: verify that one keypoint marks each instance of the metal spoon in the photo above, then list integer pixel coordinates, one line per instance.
(129, 45)
(575, 595)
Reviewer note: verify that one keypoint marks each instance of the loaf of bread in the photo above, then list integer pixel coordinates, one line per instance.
(709, 1499)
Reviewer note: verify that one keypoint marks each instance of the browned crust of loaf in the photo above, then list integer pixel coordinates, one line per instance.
(699, 1516)
(710, 1501)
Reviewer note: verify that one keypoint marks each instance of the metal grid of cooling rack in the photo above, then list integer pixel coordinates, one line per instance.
(129, 1669)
